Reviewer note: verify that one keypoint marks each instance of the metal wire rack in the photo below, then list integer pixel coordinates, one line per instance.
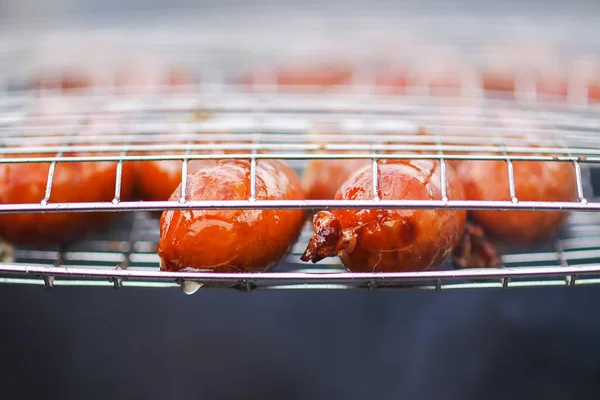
(353, 122)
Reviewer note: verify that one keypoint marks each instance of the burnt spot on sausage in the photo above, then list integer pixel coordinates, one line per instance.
(324, 242)
(475, 250)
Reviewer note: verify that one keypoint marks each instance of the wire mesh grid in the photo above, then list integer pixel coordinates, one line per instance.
(298, 125)
(571, 260)
(155, 132)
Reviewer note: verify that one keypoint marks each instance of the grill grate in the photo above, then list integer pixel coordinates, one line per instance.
(144, 132)
(573, 259)
(107, 126)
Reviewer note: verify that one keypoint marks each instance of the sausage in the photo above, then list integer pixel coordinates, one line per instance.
(505, 83)
(156, 180)
(73, 182)
(232, 240)
(76, 182)
(322, 178)
(393, 240)
(323, 76)
(534, 181)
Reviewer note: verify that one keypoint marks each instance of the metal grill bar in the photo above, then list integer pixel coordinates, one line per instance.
(184, 177)
(297, 156)
(300, 277)
(294, 140)
(375, 171)
(511, 182)
(118, 180)
(299, 204)
(52, 169)
(253, 177)
(48, 190)
(312, 286)
(579, 181)
(443, 174)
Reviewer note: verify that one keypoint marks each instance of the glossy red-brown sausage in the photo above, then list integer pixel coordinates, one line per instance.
(534, 181)
(75, 182)
(322, 178)
(232, 240)
(156, 180)
(376, 240)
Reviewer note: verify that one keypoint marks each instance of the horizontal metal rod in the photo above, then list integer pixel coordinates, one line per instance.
(307, 286)
(286, 130)
(302, 142)
(296, 277)
(298, 156)
(299, 204)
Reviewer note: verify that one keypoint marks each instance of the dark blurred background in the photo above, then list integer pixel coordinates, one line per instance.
(97, 344)
(94, 343)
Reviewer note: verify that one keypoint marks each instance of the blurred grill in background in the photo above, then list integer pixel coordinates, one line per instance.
(105, 74)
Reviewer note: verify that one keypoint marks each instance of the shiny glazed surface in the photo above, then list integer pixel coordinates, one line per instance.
(156, 180)
(73, 182)
(534, 181)
(232, 240)
(391, 240)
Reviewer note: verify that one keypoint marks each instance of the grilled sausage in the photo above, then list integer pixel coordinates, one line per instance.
(534, 181)
(322, 178)
(231, 240)
(379, 240)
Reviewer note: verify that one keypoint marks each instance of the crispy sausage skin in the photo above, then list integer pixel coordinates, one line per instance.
(231, 240)
(375, 240)
(534, 181)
